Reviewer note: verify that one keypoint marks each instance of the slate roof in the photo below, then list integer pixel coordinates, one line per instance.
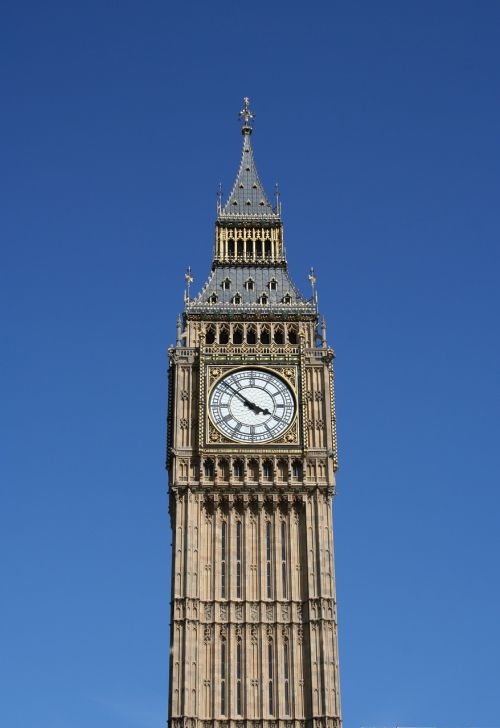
(239, 277)
(248, 199)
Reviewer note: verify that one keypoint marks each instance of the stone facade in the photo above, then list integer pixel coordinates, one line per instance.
(254, 622)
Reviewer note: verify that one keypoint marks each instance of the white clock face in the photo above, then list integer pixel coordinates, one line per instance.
(252, 405)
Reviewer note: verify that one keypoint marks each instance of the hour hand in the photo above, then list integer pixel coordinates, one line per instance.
(257, 409)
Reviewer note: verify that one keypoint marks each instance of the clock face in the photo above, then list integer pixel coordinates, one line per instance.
(252, 405)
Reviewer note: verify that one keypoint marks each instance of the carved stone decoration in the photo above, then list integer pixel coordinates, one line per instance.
(223, 611)
(208, 610)
(285, 612)
(253, 635)
(254, 610)
(289, 436)
(214, 373)
(269, 612)
(214, 434)
(238, 611)
(207, 634)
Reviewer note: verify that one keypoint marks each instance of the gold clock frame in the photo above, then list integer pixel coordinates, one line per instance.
(210, 436)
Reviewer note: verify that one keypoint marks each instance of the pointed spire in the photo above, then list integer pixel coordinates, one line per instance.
(248, 199)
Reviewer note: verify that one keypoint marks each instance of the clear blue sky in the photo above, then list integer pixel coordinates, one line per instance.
(381, 122)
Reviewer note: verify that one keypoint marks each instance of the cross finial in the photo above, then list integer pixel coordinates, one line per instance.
(246, 115)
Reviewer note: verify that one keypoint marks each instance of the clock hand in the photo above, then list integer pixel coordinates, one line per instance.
(245, 401)
(251, 405)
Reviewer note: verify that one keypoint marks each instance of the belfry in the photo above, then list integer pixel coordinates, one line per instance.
(251, 458)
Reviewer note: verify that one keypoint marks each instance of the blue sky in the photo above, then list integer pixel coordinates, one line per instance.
(380, 120)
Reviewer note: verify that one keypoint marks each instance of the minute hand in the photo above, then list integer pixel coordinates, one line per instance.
(251, 405)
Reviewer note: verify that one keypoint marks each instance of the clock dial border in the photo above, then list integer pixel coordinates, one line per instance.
(290, 437)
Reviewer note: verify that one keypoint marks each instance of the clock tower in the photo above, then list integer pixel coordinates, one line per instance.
(252, 455)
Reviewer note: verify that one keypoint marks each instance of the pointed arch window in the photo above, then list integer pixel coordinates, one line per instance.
(250, 284)
(297, 469)
(224, 469)
(267, 469)
(279, 335)
(282, 470)
(238, 559)
(265, 335)
(210, 334)
(286, 674)
(253, 470)
(237, 298)
(213, 298)
(287, 298)
(251, 334)
(270, 673)
(273, 284)
(223, 550)
(238, 334)
(293, 334)
(208, 468)
(226, 284)
(269, 589)
(264, 299)
(283, 559)
(224, 335)
(223, 672)
(238, 469)
(239, 671)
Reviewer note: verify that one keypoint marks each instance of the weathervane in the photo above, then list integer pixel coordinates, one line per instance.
(246, 114)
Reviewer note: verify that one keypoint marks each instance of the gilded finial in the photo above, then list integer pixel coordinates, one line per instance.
(188, 277)
(312, 281)
(219, 198)
(247, 116)
(277, 197)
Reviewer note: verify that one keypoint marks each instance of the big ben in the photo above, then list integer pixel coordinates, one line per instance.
(251, 458)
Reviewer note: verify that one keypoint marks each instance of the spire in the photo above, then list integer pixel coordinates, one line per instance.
(248, 200)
